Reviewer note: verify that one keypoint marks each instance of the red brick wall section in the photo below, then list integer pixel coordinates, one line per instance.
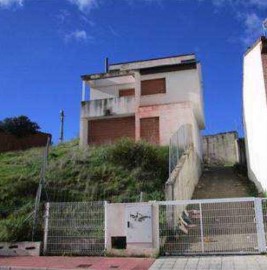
(126, 92)
(104, 131)
(151, 87)
(149, 129)
(9, 142)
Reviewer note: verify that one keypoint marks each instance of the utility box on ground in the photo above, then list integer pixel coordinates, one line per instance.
(132, 229)
(139, 223)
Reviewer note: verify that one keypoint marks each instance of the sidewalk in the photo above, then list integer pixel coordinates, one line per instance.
(92, 263)
(248, 262)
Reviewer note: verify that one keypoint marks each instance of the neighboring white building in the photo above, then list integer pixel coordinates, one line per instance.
(255, 111)
(147, 99)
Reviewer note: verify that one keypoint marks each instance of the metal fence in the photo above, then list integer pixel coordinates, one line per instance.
(193, 227)
(264, 218)
(218, 226)
(74, 228)
(179, 143)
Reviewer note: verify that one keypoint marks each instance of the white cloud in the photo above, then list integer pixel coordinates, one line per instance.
(63, 15)
(247, 13)
(84, 5)
(252, 21)
(253, 28)
(10, 3)
(258, 3)
(77, 35)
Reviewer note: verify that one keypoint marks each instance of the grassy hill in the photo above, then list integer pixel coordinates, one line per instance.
(117, 173)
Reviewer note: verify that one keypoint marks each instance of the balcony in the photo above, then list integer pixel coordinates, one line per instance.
(118, 106)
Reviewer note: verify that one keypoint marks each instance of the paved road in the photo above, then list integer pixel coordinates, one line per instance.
(250, 262)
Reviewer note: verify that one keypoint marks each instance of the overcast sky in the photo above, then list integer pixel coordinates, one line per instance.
(45, 45)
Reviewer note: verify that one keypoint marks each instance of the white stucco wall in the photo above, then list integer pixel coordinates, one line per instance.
(118, 107)
(221, 149)
(181, 86)
(255, 117)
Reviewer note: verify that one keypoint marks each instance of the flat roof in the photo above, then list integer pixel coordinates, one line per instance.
(151, 59)
(128, 68)
(260, 39)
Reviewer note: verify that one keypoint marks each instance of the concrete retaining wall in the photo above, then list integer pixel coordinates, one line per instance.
(182, 183)
(184, 178)
(220, 149)
(20, 249)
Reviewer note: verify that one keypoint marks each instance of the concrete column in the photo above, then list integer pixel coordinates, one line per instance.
(83, 91)
(84, 132)
(137, 104)
(156, 234)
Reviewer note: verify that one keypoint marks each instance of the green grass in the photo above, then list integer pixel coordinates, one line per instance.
(116, 173)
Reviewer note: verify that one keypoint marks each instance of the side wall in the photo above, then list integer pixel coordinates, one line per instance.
(184, 178)
(182, 182)
(255, 117)
(220, 149)
(10, 142)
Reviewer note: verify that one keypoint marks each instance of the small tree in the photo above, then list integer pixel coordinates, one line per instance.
(19, 126)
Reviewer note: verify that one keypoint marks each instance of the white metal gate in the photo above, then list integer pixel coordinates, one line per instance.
(215, 226)
(74, 228)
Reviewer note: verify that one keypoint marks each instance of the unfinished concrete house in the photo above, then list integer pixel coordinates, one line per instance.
(146, 99)
(255, 111)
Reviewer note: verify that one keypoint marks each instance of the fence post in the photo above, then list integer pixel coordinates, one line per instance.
(106, 223)
(201, 228)
(156, 226)
(170, 158)
(260, 225)
(46, 221)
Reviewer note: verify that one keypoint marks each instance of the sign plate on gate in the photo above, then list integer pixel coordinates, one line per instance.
(139, 223)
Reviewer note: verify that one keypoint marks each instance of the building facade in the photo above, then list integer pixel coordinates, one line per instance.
(146, 100)
(255, 111)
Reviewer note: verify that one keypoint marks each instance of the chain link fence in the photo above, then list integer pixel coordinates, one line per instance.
(219, 226)
(180, 141)
(74, 228)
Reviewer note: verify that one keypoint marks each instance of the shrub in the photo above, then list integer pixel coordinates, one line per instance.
(19, 126)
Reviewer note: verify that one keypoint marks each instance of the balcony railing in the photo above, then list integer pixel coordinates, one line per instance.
(108, 107)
